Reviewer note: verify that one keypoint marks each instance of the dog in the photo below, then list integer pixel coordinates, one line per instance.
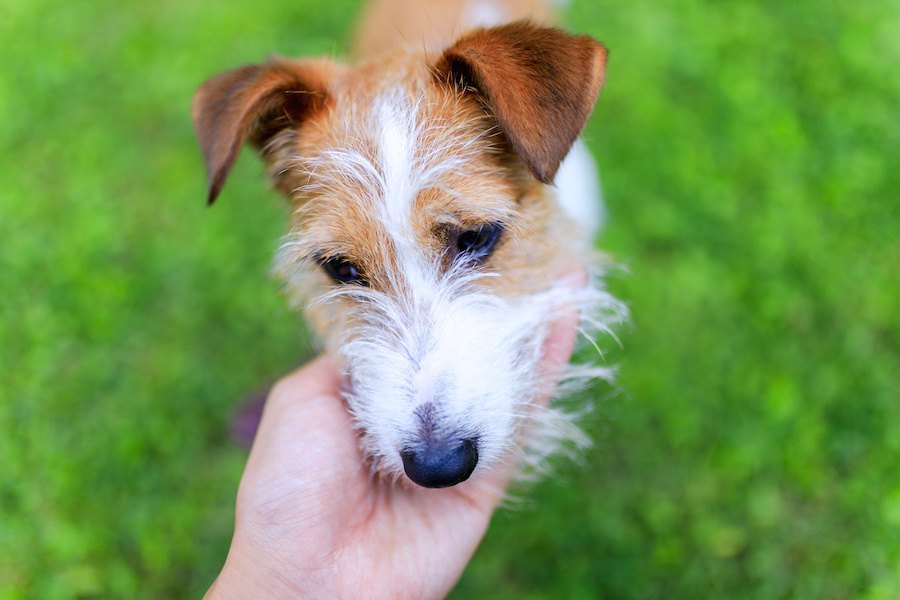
(441, 200)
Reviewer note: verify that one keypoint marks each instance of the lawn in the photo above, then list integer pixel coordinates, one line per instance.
(750, 160)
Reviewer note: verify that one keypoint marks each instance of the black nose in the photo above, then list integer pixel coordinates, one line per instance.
(440, 464)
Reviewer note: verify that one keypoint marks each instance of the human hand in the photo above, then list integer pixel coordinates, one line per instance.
(311, 520)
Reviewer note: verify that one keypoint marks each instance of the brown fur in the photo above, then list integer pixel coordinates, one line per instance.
(253, 103)
(518, 94)
(540, 84)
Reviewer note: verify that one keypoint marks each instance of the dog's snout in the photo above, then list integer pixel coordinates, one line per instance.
(440, 464)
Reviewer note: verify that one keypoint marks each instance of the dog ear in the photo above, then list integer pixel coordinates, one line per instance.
(540, 84)
(254, 103)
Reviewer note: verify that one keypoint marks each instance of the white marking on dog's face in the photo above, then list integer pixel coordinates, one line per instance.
(432, 354)
(395, 121)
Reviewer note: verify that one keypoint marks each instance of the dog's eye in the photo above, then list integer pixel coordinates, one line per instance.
(342, 270)
(477, 244)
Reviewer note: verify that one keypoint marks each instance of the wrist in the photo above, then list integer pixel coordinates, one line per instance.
(251, 572)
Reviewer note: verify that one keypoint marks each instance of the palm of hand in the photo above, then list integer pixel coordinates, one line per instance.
(315, 509)
(311, 521)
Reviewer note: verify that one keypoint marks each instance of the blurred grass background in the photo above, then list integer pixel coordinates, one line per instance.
(750, 160)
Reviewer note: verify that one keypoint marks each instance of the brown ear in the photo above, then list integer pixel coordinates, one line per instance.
(540, 84)
(254, 103)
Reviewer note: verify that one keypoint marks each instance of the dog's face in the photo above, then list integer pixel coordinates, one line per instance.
(424, 244)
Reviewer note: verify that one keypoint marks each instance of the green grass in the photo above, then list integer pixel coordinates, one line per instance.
(749, 153)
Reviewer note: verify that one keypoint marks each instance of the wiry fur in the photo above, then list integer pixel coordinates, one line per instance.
(382, 164)
(431, 335)
(404, 352)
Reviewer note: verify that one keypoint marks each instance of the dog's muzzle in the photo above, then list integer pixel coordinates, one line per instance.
(438, 464)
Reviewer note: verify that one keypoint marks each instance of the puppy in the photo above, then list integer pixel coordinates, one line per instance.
(428, 243)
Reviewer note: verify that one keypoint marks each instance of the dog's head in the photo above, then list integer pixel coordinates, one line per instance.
(425, 246)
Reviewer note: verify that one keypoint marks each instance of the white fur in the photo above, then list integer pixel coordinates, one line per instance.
(395, 121)
(438, 337)
(471, 354)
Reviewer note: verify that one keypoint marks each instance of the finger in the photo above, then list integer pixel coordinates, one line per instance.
(319, 377)
(305, 421)
(559, 345)
(560, 342)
